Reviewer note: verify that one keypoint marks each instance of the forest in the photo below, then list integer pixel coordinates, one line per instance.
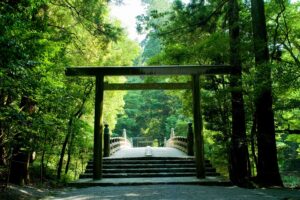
(251, 117)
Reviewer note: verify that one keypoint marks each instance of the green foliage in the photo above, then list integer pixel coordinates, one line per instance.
(291, 181)
(40, 107)
(149, 114)
(197, 33)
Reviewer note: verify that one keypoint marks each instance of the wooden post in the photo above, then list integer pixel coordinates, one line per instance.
(198, 132)
(98, 127)
(190, 140)
(106, 141)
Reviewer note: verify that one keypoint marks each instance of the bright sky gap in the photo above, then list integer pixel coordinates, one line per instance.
(126, 13)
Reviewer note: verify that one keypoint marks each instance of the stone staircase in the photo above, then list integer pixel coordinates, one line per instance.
(149, 167)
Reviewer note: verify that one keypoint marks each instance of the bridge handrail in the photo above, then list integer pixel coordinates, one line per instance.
(116, 143)
(178, 142)
(185, 144)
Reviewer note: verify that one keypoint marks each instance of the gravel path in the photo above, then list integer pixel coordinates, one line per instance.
(175, 192)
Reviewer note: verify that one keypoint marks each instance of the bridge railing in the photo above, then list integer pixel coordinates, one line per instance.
(178, 142)
(114, 144)
(185, 144)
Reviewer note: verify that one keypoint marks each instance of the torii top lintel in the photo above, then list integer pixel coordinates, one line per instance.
(150, 70)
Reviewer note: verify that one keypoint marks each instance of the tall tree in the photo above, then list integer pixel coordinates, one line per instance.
(238, 168)
(267, 168)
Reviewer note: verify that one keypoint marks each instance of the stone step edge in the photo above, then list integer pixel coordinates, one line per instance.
(151, 165)
(148, 161)
(150, 169)
(136, 175)
(150, 158)
(112, 182)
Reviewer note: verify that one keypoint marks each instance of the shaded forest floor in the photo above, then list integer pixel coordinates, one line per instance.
(168, 192)
(59, 191)
(13, 192)
(50, 190)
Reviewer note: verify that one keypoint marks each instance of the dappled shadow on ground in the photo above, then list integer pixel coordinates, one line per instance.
(14, 192)
(171, 192)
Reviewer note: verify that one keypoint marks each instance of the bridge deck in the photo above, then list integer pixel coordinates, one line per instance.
(148, 152)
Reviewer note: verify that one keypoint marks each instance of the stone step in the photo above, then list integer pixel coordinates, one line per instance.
(188, 180)
(151, 170)
(135, 175)
(147, 170)
(147, 165)
(151, 158)
(144, 165)
(178, 161)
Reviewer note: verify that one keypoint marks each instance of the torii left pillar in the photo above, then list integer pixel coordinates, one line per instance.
(198, 128)
(98, 128)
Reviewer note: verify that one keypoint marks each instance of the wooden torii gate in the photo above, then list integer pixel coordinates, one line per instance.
(193, 70)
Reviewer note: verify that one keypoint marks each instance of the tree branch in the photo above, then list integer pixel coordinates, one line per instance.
(276, 30)
(200, 23)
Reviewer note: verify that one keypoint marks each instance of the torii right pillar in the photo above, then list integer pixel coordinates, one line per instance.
(198, 127)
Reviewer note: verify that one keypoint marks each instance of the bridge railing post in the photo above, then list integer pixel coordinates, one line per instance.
(172, 134)
(190, 140)
(131, 141)
(106, 141)
(124, 134)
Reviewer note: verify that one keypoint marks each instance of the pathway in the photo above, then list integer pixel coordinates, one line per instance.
(176, 192)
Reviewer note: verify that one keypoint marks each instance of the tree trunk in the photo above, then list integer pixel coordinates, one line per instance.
(267, 168)
(68, 159)
(2, 146)
(63, 149)
(239, 149)
(19, 169)
(42, 166)
(77, 115)
(70, 147)
(43, 158)
(3, 134)
(252, 140)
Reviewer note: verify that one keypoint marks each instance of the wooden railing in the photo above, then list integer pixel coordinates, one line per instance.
(116, 143)
(184, 144)
(178, 142)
